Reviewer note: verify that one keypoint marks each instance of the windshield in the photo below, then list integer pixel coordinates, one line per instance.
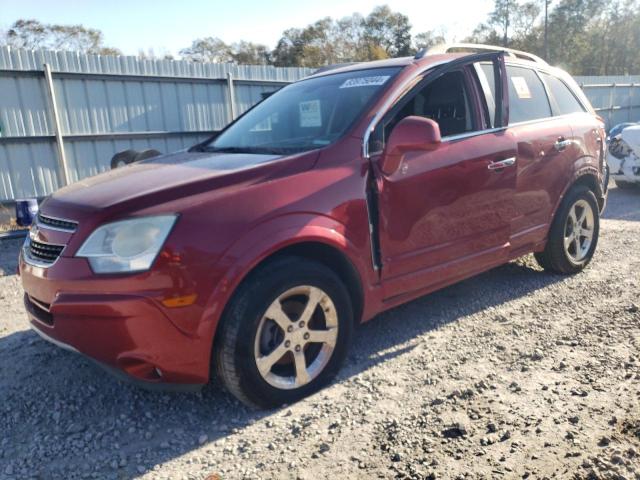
(305, 115)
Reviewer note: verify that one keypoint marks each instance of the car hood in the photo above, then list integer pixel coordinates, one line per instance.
(169, 177)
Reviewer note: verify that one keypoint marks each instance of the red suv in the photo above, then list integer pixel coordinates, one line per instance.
(251, 257)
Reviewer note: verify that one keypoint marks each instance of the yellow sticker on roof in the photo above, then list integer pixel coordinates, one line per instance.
(522, 89)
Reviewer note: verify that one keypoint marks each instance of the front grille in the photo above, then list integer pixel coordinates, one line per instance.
(57, 223)
(44, 252)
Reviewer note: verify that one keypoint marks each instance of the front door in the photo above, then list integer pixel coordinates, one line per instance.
(446, 214)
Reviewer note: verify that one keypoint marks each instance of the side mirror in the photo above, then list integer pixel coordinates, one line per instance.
(409, 135)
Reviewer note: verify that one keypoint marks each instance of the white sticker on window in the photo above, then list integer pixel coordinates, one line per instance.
(365, 81)
(310, 114)
(522, 89)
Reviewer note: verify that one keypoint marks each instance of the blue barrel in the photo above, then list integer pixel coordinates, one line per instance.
(26, 211)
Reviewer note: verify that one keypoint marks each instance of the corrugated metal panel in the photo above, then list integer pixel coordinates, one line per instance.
(249, 95)
(99, 96)
(27, 169)
(616, 98)
(90, 157)
(16, 59)
(105, 96)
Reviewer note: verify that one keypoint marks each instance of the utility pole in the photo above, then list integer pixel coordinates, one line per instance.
(546, 30)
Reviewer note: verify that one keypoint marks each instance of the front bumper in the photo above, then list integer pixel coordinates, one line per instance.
(118, 323)
(121, 375)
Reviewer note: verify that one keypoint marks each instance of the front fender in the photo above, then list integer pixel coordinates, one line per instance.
(269, 237)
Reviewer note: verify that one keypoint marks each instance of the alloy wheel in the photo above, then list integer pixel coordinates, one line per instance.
(578, 231)
(296, 337)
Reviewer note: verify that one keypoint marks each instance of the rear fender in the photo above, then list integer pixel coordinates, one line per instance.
(586, 172)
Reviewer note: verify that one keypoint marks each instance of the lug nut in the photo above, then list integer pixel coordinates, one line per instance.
(290, 329)
(298, 348)
(306, 336)
(287, 344)
(301, 324)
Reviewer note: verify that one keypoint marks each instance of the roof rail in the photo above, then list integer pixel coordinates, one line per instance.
(328, 68)
(448, 47)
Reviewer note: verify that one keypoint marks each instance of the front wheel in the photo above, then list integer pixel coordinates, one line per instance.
(284, 334)
(574, 233)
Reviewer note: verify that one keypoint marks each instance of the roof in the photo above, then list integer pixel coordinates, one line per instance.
(434, 56)
(391, 62)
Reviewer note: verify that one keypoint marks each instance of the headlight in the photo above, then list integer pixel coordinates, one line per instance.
(128, 245)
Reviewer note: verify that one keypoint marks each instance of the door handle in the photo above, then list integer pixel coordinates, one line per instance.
(500, 164)
(561, 144)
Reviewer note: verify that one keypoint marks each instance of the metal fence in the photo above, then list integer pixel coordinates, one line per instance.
(615, 98)
(63, 115)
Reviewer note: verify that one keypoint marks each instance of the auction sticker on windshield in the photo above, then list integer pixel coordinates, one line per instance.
(365, 81)
(310, 114)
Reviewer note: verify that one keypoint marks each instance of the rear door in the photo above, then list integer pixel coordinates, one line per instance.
(446, 214)
(588, 131)
(545, 148)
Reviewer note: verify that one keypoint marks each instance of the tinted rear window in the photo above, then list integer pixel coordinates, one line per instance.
(565, 100)
(527, 97)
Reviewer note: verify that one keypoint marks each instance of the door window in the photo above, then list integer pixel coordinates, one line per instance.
(487, 78)
(527, 97)
(566, 102)
(445, 100)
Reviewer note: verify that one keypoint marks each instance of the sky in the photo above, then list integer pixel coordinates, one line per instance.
(168, 26)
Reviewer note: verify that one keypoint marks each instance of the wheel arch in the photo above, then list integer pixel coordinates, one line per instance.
(330, 256)
(319, 238)
(587, 177)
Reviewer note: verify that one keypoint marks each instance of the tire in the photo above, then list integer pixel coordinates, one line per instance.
(146, 154)
(572, 259)
(246, 336)
(123, 158)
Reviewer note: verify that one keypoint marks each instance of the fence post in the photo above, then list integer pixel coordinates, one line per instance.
(232, 97)
(63, 170)
(631, 104)
(612, 98)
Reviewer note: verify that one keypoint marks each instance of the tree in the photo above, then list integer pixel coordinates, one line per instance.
(249, 53)
(389, 30)
(382, 34)
(427, 40)
(32, 34)
(209, 49)
(586, 37)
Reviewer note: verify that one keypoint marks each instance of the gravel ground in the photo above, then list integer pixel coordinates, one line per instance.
(514, 373)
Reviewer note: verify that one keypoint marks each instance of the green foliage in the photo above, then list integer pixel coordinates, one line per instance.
(586, 37)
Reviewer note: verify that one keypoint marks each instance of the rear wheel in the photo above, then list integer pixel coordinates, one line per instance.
(573, 236)
(284, 334)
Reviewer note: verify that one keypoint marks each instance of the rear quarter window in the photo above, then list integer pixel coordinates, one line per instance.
(565, 100)
(527, 97)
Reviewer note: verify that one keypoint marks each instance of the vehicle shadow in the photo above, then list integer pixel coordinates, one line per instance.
(99, 424)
